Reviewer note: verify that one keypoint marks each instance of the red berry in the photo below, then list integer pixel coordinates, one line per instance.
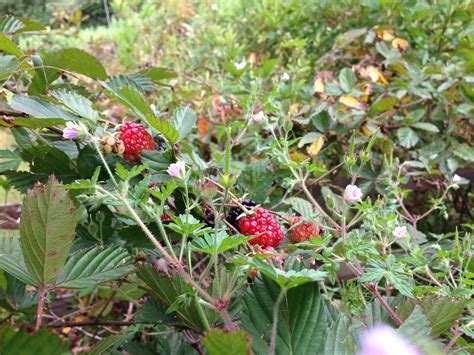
(136, 139)
(261, 222)
(303, 231)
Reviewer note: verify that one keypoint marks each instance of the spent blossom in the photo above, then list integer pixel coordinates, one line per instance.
(383, 340)
(177, 170)
(352, 193)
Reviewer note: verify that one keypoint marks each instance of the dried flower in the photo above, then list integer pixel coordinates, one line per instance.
(383, 340)
(352, 193)
(400, 232)
(177, 170)
(259, 117)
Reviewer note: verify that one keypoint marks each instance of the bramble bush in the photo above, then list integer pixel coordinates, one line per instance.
(277, 178)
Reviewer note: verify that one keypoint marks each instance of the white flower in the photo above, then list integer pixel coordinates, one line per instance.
(72, 130)
(285, 77)
(400, 232)
(457, 178)
(383, 340)
(352, 193)
(259, 117)
(177, 170)
(241, 65)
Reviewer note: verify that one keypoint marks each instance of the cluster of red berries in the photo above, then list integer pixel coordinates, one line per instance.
(269, 234)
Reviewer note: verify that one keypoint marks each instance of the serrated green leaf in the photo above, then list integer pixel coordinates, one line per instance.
(31, 122)
(47, 230)
(79, 61)
(112, 341)
(39, 108)
(88, 268)
(301, 206)
(257, 179)
(8, 264)
(11, 24)
(416, 326)
(9, 160)
(21, 342)
(217, 244)
(221, 342)
(165, 128)
(301, 327)
(441, 312)
(465, 152)
(184, 121)
(76, 103)
(407, 137)
(8, 46)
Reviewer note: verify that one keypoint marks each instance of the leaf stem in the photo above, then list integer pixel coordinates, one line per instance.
(276, 308)
(39, 311)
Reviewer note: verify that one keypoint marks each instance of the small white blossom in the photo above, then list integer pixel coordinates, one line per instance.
(241, 65)
(352, 193)
(457, 178)
(177, 170)
(383, 340)
(285, 77)
(259, 117)
(400, 232)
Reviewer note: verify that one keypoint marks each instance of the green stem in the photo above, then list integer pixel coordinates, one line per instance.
(276, 309)
(99, 151)
(201, 314)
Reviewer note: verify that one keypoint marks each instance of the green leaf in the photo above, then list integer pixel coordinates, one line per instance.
(47, 230)
(217, 244)
(21, 342)
(339, 341)
(157, 160)
(79, 61)
(158, 74)
(301, 327)
(407, 137)
(31, 122)
(383, 105)
(441, 312)
(45, 72)
(88, 268)
(465, 152)
(184, 121)
(8, 46)
(39, 108)
(9, 160)
(221, 342)
(113, 341)
(429, 127)
(9, 264)
(76, 103)
(301, 206)
(165, 128)
(347, 79)
(416, 326)
(257, 179)
(167, 288)
(11, 24)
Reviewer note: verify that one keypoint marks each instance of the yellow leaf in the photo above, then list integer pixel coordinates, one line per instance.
(374, 74)
(352, 102)
(294, 108)
(319, 86)
(386, 35)
(298, 157)
(316, 146)
(401, 44)
(66, 330)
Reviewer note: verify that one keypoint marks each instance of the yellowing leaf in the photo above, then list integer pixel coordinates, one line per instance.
(401, 44)
(298, 157)
(386, 35)
(373, 74)
(294, 108)
(319, 86)
(316, 146)
(352, 102)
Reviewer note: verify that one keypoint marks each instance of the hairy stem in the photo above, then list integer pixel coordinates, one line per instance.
(276, 308)
(39, 311)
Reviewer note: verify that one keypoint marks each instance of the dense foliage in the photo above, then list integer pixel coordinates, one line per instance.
(344, 128)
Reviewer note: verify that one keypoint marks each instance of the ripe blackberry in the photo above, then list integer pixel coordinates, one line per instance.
(235, 212)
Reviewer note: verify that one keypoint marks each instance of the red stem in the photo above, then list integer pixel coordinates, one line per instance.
(375, 291)
(39, 312)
